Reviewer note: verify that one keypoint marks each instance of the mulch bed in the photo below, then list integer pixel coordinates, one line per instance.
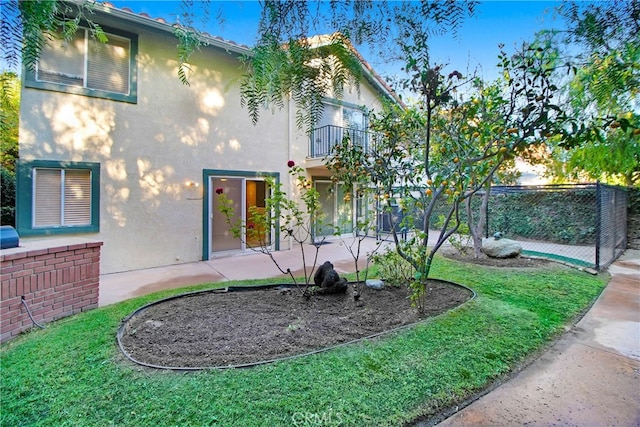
(467, 256)
(235, 328)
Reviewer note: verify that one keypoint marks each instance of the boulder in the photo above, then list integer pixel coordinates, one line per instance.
(501, 248)
(374, 284)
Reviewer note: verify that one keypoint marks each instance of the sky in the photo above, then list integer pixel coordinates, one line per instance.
(476, 47)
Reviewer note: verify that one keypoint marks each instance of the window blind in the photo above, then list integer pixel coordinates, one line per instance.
(108, 65)
(62, 197)
(62, 61)
(48, 198)
(77, 197)
(86, 62)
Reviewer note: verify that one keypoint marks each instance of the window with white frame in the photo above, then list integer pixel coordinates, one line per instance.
(87, 66)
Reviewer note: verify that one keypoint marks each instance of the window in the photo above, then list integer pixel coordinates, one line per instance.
(86, 66)
(61, 197)
(56, 197)
(338, 120)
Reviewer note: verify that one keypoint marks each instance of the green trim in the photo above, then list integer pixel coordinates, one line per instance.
(206, 202)
(132, 98)
(556, 257)
(24, 197)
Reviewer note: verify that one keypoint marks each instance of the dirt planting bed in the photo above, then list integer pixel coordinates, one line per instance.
(216, 329)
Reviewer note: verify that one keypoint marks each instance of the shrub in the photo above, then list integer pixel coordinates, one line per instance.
(394, 269)
(566, 217)
(7, 197)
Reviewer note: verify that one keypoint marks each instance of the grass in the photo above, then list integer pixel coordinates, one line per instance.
(73, 374)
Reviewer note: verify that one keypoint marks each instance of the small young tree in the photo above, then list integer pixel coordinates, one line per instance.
(364, 227)
(292, 219)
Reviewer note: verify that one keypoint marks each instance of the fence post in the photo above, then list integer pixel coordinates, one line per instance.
(615, 224)
(598, 222)
(486, 220)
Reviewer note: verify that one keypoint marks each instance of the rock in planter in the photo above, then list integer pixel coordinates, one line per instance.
(501, 248)
(374, 284)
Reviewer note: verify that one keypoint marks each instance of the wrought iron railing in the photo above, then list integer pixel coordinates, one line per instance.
(323, 139)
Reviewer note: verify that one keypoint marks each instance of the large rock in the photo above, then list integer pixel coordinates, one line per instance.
(501, 248)
(374, 284)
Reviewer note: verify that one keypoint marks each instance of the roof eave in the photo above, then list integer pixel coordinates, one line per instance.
(159, 24)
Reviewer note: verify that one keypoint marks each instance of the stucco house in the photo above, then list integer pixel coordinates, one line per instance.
(115, 148)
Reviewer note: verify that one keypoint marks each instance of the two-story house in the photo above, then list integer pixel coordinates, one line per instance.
(114, 147)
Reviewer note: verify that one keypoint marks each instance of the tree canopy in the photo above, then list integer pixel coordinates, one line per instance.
(603, 94)
(9, 120)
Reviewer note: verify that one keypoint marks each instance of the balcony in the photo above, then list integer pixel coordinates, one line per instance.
(324, 138)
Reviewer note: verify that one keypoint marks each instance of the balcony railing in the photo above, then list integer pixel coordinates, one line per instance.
(324, 138)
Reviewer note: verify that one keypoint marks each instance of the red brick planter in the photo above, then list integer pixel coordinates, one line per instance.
(54, 279)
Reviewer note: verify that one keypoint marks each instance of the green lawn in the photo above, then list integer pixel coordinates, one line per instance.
(73, 374)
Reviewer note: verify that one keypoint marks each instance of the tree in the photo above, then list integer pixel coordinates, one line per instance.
(287, 62)
(484, 117)
(290, 64)
(602, 92)
(435, 155)
(7, 197)
(9, 120)
(9, 123)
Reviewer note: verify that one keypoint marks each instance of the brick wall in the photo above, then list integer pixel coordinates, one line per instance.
(56, 280)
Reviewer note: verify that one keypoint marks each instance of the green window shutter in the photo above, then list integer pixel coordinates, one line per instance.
(77, 197)
(47, 197)
(108, 65)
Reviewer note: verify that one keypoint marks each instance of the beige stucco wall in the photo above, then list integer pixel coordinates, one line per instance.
(148, 151)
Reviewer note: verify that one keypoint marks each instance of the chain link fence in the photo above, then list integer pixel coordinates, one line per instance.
(611, 236)
(583, 224)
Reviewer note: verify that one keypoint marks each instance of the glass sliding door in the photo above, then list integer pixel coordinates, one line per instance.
(344, 210)
(336, 207)
(222, 238)
(248, 202)
(324, 221)
(257, 234)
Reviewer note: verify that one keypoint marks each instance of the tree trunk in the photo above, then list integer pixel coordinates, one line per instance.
(477, 229)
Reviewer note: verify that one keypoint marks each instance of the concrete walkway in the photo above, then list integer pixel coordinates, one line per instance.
(590, 377)
(251, 265)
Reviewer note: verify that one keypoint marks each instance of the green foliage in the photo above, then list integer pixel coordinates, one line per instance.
(614, 159)
(461, 239)
(9, 120)
(289, 63)
(442, 151)
(306, 70)
(393, 269)
(10, 34)
(602, 93)
(9, 126)
(42, 20)
(634, 201)
(7, 197)
(566, 217)
(47, 375)
(188, 43)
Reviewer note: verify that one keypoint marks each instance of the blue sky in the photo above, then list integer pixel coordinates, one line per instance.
(495, 22)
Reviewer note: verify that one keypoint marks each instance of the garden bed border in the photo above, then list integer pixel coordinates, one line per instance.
(228, 289)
